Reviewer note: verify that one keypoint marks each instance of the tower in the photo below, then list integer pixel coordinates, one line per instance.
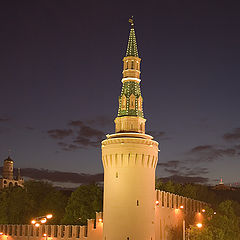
(129, 159)
(8, 169)
(8, 180)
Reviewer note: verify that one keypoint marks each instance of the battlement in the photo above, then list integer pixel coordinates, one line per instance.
(93, 231)
(171, 200)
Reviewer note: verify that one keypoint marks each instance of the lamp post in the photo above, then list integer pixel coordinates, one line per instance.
(41, 220)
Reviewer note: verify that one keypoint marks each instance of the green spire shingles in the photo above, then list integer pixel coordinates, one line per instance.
(130, 88)
(132, 44)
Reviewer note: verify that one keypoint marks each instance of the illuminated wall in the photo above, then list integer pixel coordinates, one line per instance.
(168, 214)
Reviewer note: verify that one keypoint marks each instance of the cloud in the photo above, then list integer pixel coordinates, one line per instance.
(60, 133)
(58, 176)
(90, 132)
(4, 119)
(232, 136)
(68, 147)
(209, 153)
(182, 168)
(158, 135)
(184, 179)
(172, 163)
(100, 121)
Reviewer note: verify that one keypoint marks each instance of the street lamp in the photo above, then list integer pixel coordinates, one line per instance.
(45, 235)
(199, 225)
(41, 220)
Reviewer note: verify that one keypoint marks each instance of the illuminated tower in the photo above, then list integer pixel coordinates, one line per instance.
(129, 158)
(7, 179)
(8, 169)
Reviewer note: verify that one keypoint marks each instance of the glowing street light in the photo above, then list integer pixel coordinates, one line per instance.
(199, 225)
(1, 233)
(49, 216)
(203, 210)
(33, 221)
(44, 220)
(41, 220)
(182, 207)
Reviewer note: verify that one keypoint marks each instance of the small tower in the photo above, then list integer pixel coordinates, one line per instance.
(8, 179)
(8, 168)
(129, 159)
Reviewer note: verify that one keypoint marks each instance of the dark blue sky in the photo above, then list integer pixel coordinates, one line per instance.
(60, 78)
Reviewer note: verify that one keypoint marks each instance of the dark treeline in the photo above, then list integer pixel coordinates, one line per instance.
(21, 205)
(199, 192)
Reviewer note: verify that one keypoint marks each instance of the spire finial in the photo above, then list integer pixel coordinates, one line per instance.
(131, 21)
(9, 152)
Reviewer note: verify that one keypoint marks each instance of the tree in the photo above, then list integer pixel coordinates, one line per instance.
(46, 199)
(224, 225)
(16, 206)
(83, 204)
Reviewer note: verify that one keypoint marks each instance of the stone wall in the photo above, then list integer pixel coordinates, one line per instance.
(168, 215)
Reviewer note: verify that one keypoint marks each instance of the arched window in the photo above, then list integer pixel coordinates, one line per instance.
(132, 102)
(124, 101)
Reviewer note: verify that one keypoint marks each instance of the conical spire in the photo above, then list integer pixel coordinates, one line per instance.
(130, 111)
(132, 43)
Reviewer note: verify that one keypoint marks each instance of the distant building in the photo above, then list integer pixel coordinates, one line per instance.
(222, 186)
(8, 179)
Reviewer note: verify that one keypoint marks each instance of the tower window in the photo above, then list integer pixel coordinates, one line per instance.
(132, 65)
(128, 238)
(137, 203)
(116, 174)
(132, 101)
(124, 100)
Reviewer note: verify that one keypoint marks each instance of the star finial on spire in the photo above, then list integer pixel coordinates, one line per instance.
(131, 20)
(132, 43)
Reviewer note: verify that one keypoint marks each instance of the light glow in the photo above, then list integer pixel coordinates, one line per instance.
(1, 233)
(49, 216)
(33, 221)
(203, 210)
(37, 225)
(182, 207)
(199, 225)
(44, 234)
(157, 203)
(43, 220)
(177, 210)
(100, 220)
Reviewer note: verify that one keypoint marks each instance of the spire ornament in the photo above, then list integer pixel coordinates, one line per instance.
(132, 42)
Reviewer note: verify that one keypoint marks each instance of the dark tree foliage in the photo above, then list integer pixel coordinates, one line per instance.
(15, 206)
(83, 204)
(225, 225)
(46, 199)
(200, 192)
(20, 205)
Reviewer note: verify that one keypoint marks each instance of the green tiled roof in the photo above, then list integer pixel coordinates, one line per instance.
(129, 88)
(132, 44)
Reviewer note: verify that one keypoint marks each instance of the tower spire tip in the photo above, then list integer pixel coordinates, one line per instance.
(131, 21)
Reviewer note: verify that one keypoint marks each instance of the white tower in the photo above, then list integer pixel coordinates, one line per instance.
(129, 158)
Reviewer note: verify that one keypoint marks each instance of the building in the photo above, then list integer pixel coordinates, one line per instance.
(129, 158)
(132, 208)
(8, 179)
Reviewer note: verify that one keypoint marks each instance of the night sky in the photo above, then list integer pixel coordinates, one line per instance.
(60, 78)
